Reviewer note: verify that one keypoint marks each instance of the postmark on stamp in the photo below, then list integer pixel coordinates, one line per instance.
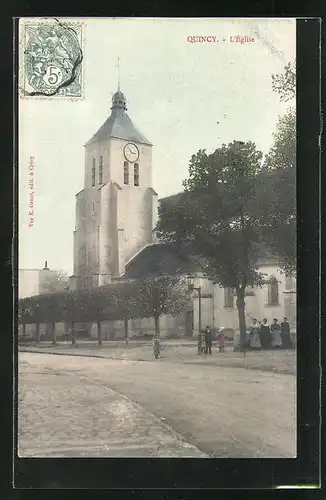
(51, 59)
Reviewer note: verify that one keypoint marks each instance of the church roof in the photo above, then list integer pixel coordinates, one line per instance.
(172, 199)
(159, 259)
(118, 124)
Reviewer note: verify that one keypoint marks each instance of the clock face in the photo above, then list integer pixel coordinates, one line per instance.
(131, 152)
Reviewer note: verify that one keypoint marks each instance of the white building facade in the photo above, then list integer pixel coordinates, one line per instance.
(35, 281)
(275, 299)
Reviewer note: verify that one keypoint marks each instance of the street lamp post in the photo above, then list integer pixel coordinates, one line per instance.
(198, 289)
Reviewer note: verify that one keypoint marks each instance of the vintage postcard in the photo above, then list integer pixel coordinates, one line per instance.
(157, 237)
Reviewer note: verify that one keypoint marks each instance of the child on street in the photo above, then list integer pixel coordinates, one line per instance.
(220, 339)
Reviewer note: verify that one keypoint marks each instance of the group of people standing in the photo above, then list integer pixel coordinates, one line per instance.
(265, 336)
(261, 336)
(205, 340)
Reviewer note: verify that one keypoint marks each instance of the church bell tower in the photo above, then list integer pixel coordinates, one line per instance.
(116, 210)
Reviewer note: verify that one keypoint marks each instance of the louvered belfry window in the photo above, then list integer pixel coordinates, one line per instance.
(100, 172)
(93, 172)
(136, 174)
(126, 172)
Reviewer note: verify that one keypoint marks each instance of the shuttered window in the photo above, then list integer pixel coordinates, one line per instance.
(136, 174)
(228, 297)
(273, 293)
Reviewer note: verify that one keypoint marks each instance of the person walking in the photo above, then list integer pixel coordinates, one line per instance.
(276, 334)
(265, 335)
(203, 342)
(156, 346)
(199, 343)
(286, 334)
(208, 340)
(254, 340)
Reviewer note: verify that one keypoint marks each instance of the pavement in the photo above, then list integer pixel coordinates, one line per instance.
(99, 406)
(66, 414)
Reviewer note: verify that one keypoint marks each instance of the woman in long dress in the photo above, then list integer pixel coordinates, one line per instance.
(254, 340)
(276, 333)
(265, 334)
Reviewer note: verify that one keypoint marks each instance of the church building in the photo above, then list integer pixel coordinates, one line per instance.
(117, 208)
(116, 213)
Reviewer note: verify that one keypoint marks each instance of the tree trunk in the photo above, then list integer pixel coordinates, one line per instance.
(126, 330)
(54, 340)
(37, 333)
(157, 326)
(24, 331)
(242, 319)
(99, 333)
(73, 333)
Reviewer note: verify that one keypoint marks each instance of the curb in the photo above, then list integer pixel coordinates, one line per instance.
(84, 355)
(160, 420)
(193, 362)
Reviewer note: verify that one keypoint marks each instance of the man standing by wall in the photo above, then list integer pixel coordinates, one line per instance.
(208, 340)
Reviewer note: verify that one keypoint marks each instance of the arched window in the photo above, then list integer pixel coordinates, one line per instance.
(100, 172)
(93, 172)
(126, 172)
(136, 174)
(273, 292)
(228, 297)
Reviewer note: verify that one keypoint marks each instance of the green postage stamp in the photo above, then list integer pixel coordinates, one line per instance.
(51, 58)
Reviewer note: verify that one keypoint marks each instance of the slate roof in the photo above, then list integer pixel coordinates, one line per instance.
(158, 259)
(166, 258)
(173, 199)
(118, 124)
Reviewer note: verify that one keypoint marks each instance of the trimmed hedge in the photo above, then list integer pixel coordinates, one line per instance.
(152, 296)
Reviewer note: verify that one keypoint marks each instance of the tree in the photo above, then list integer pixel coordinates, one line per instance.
(160, 295)
(285, 83)
(278, 212)
(280, 179)
(216, 219)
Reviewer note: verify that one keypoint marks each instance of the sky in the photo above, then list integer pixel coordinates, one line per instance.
(182, 95)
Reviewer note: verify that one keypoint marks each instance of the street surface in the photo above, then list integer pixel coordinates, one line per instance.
(72, 406)
(283, 361)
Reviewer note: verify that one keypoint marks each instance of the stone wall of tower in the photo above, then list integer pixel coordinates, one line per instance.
(94, 151)
(134, 203)
(106, 265)
(79, 236)
(94, 198)
(113, 220)
(116, 156)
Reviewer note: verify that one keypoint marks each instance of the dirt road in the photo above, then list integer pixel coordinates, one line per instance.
(206, 409)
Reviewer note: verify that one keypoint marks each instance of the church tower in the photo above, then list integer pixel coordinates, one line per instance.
(116, 210)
